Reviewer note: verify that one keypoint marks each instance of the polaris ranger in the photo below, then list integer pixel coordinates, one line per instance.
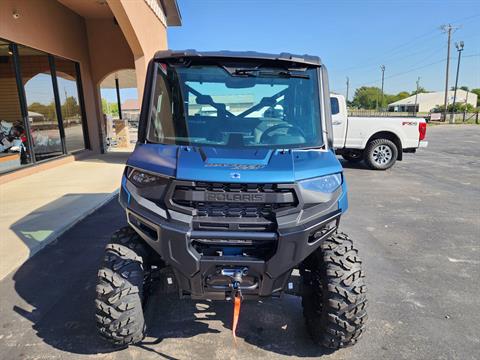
(233, 185)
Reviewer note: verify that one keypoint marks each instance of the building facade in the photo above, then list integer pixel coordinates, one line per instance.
(53, 56)
(426, 102)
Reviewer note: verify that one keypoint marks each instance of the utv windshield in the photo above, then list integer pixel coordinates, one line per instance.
(235, 106)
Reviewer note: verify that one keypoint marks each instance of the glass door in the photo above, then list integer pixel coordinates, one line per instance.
(40, 98)
(70, 104)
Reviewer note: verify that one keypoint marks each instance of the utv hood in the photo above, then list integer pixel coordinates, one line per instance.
(215, 164)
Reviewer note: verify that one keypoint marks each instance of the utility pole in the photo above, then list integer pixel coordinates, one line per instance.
(348, 86)
(447, 29)
(66, 104)
(416, 97)
(465, 108)
(459, 47)
(383, 77)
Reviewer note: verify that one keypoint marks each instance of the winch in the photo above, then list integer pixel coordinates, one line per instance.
(236, 275)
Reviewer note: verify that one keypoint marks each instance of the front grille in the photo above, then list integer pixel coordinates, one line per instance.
(233, 210)
(227, 200)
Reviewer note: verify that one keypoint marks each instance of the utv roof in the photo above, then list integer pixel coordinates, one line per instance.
(300, 59)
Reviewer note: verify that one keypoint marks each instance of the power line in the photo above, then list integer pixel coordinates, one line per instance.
(396, 58)
(403, 72)
(399, 47)
(473, 55)
(410, 70)
(428, 57)
(414, 69)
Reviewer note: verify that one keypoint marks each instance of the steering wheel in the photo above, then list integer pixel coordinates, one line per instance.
(290, 127)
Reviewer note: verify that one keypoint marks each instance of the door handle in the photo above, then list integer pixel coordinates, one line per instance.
(336, 123)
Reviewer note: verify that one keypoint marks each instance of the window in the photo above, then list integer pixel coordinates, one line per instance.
(70, 104)
(221, 106)
(14, 149)
(42, 113)
(161, 124)
(334, 105)
(41, 116)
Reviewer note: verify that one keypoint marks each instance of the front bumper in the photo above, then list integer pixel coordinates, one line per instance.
(172, 235)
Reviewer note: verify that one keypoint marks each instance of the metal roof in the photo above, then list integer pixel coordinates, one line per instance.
(437, 96)
(224, 54)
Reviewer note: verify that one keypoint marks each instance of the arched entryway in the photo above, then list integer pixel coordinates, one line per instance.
(121, 109)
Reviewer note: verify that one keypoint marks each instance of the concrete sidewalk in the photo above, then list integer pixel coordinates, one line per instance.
(37, 208)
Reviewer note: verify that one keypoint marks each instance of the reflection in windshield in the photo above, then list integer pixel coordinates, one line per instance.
(209, 106)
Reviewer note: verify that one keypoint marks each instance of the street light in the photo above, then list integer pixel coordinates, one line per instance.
(459, 47)
(416, 98)
(383, 77)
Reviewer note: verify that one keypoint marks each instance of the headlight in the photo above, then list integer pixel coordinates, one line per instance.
(325, 184)
(142, 178)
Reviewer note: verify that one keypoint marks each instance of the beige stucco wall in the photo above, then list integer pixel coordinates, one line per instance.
(143, 31)
(99, 45)
(46, 25)
(109, 52)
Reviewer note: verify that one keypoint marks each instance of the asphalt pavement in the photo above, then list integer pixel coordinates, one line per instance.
(417, 226)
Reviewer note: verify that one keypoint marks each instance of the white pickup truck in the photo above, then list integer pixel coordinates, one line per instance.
(379, 141)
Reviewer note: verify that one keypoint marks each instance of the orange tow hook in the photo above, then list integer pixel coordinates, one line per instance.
(237, 300)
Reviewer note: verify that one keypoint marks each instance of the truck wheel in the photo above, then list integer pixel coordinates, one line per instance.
(334, 294)
(120, 289)
(353, 156)
(381, 154)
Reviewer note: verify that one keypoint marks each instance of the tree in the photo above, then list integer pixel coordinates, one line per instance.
(402, 95)
(457, 108)
(109, 108)
(392, 98)
(477, 91)
(48, 111)
(70, 107)
(366, 97)
(452, 88)
(421, 89)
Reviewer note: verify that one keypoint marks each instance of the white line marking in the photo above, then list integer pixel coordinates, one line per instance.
(466, 261)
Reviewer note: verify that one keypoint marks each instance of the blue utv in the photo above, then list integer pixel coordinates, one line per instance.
(232, 193)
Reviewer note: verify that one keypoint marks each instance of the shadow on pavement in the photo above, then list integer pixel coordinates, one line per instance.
(41, 225)
(274, 325)
(111, 157)
(59, 286)
(352, 165)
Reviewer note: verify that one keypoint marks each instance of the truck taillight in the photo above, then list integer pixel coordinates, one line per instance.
(422, 130)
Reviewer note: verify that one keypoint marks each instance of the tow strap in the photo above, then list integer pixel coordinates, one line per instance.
(237, 300)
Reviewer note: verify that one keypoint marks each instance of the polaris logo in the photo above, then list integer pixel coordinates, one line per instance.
(234, 197)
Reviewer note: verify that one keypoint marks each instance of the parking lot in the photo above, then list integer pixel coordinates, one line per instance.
(417, 226)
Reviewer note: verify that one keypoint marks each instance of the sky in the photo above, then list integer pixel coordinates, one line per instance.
(352, 38)
(125, 94)
(40, 89)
